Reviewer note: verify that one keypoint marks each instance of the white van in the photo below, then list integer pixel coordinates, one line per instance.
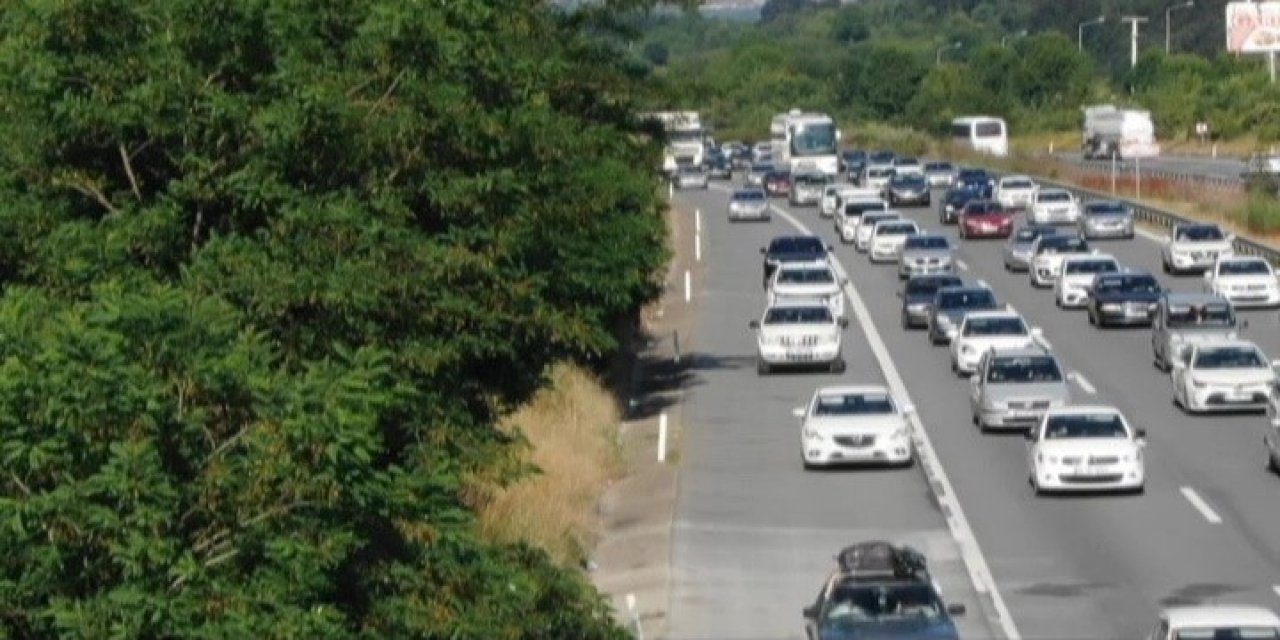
(984, 134)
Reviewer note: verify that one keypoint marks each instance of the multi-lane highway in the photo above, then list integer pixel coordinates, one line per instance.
(1219, 170)
(754, 533)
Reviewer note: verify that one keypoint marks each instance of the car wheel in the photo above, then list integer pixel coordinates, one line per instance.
(1092, 321)
(1035, 486)
(1272, 466)
(838, 366)
(1057, 301)
(1140, 490)
(762, 368)
(1164, 264)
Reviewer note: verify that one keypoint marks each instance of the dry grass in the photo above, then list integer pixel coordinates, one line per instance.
(570, 427)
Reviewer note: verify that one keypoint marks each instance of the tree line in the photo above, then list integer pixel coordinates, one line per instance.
(272, 271)
(918, 63)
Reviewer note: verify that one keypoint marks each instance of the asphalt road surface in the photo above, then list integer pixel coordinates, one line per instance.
(754, 534)
(1222, 168)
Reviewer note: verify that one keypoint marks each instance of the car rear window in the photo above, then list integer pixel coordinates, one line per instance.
(1228, 633)
(1029, 370)
(930, 285)
(806, 276)
(1092, 266)
(1084, 425)
(853, 404)
(998, 326)
(966, 299)
(927, 242)
(797, 244)
(1244, 268)
(1053, 196)
(798, 315)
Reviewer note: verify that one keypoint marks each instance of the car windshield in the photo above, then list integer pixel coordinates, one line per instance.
(813, 139)
(806, 276)
(1199, 233)
(691, 169)
(937, 167)
(1032, 369)
(974, 175)
(1227, 633)
(927, 242)
(882, 156)
(855, 605)
(896, 229)
(1092, 266)
(809, 245)
(983, 208)
(1085, 425)
(1229, 358)
(879, 173)
(798, 315)
(966, 299)
(930, 285)
(1053, 196)
(999, 326)
(910, 181)
(1106, 209)
(747, 196)
(1134, 284)
(1028, 234)
(1051, 244)
(762, 168)
(811, 180)
(1212, 315)
(853, 404)
(1018, 184)
(854, 155)
(870, 219)
(1243, 268)
(859, 208)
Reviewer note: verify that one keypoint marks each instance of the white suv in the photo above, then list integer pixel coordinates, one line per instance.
(798, 332)
(1075, 278)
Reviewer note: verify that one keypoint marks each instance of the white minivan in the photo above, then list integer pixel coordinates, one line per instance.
(983, 134)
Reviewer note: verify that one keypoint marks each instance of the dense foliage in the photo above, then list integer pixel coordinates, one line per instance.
(879, 60)
(273, 268)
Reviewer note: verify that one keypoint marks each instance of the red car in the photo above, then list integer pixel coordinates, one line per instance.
(985, 219)
(777, 183)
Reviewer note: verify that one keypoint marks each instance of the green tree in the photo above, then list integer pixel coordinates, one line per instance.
(273, 270)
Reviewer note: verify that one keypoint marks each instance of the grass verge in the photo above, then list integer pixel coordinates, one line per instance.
(570, 429)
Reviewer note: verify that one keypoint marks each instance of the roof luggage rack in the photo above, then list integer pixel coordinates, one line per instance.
(880, 559)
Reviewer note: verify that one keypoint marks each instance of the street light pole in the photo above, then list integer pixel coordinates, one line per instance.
(1005, 38)
(1133, 21)
(1080, 30)
(937, 60)
(1183, 5)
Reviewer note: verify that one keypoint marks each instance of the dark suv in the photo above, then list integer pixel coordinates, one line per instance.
(792, 249)
(1123, 298)
(879, 590)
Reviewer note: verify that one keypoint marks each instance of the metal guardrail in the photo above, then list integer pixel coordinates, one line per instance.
(1126, 168)
(1153, 216)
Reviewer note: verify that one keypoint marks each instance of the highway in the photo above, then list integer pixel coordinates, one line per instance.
(754, 534)
(1218, 169)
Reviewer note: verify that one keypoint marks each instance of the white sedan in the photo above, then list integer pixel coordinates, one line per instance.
(1229, 375)
(866, 223)
(1054, 206)
(981, 331)
(1015, 192)
(808, 280)
(1086, 448)
(1075, 278)
(854, 424)
(887, 238)
(1245, 281)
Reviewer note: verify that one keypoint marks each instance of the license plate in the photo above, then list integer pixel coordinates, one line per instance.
(1093, 471)
(1023, 414)
(799, 355)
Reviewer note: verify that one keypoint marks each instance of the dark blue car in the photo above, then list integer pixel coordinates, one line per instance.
(977, 178)
(880, 591)
(1123, 298)
(956, 198)
(917, 297)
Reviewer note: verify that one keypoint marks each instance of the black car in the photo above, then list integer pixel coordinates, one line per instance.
(917, 297)
(792, 249)
(1123, 298)
(978, 178)
(852, 162)
(879, 590)
(908, 189)
(950, 304)
(955, 199)
(883, 156)
(719, 166)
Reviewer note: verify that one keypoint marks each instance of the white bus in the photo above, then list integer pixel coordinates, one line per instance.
(805, 142)
(984, 134)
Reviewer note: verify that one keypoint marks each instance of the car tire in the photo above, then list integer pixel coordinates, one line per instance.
(1272, 466)
(1035, 486)
(1164, 264)
(762, 368)
(838, 366)
(906, 323)
(1093, 322)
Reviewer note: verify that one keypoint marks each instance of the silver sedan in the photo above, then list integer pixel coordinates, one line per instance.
(1106, 219)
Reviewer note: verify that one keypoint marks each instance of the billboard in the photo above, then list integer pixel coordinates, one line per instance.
(1253, 27)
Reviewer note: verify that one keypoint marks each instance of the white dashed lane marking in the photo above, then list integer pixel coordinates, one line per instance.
(1083, 382)
(1201, 506)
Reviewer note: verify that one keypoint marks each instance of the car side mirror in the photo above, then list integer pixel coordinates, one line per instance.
(798, 412)
(844, 282)
(810, 611)
(1244, 324)
(908, 409)
(754, 324)
(1037, 332)
(762, 251)
(955, 609)
(898, 293)
(1140, 434)
(844, 323)
(1231, 238)
(1208, 276)
(1029, 435)
(831, 247)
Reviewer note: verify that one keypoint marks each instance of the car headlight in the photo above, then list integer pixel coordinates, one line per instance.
(917, 307)
(1111, 306)
(900, 433)
(811, 434)
(944, 322)
(997, 405)
(966, 349)
(1198, 384)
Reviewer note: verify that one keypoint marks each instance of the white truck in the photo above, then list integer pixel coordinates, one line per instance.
(1120, 133)
(685, 138)
(805, 143)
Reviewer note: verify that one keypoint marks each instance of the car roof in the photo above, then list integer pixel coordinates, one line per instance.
(1053, 190)
(1092, 409)
(1197, 225)
(1017, 177)
(1033, 351)
(1083, 257)
(929, 236)
(1235, 343)
(895, 220)
(1108, 203)
(1243, 259)
(797, 301)
(1194, 298)
(967, 288)
(805, 266)
(848, 389)
(992, 313)
(1216, 614)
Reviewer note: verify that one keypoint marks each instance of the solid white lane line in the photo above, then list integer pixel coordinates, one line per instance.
(975, 562)
(1201, 506)
(962, 265)
(697, 220)
(688, 286)
(1080, 380)
(662, 437)
(697, 247)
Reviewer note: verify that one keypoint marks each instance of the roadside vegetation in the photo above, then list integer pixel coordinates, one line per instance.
(276, 276)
